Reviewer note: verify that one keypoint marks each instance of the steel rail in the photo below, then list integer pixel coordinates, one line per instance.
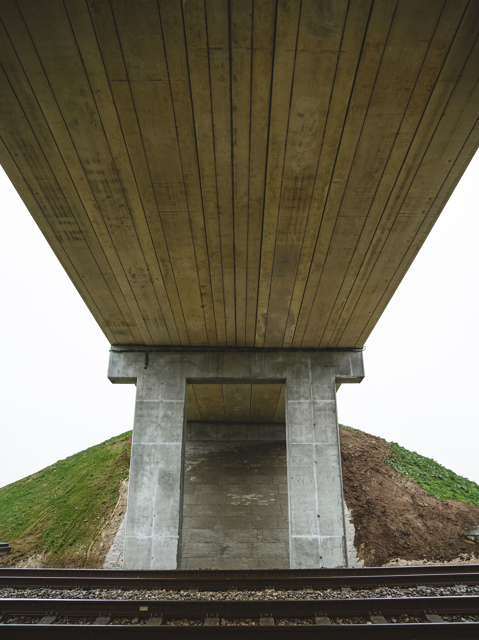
(246, 573)
(212, 583)
(241, 608)
(211, 580)
(409, 631)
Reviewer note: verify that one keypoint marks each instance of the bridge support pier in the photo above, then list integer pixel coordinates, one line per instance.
(315, 495)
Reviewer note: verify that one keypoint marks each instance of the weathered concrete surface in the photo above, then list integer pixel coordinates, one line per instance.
(114, 559)
(156, 470)
(200, 431)
(233, 403)
(275, 198)
(235, 511)
(472, 534)
(115, 556)
(353, 560)
(317, 535)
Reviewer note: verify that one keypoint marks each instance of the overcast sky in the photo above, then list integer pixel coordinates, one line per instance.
(420, 385)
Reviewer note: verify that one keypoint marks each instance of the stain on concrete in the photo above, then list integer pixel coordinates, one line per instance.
(235, 511)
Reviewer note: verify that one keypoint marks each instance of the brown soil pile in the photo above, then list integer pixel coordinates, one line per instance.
(393, 516)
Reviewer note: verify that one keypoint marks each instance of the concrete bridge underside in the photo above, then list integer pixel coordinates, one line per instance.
(237, 173)
(241, 177)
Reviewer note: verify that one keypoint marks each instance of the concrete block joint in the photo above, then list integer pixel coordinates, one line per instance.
(317, 534)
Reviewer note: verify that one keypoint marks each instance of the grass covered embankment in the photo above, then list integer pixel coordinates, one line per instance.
(438, 481)
(60, 511)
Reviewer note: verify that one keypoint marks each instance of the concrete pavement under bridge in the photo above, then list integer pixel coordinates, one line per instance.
(236, 189)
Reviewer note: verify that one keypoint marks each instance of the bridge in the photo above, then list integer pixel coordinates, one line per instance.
(236, 189)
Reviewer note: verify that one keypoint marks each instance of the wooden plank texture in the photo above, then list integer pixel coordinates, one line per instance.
(242, 173)
(240, 403)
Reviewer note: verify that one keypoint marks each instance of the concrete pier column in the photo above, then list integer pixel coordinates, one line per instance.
(316, 503)
(153, 525)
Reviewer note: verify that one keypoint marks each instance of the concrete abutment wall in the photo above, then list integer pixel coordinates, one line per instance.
(235, 508)
(316, 512)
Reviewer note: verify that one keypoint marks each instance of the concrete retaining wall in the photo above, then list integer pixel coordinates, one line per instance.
(235, 509)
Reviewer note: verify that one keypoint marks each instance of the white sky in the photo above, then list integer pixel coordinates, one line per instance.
(420, 361)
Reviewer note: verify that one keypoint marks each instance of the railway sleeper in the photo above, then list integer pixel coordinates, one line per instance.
(378, 620)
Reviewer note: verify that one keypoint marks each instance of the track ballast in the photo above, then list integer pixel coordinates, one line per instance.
(205, 602)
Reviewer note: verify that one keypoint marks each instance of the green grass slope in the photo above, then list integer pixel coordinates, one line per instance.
(438, 481)
(430, 475)
(62, 508)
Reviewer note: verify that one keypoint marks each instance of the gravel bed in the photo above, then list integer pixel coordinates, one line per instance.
(292, 622)
(233, 594)
(74, 620)
(123, 621)
(462, 618)
(405, 618)
(349, 620)
(239, 622)
(22, 620)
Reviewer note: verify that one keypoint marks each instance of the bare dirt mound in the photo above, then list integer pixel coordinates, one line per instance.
(393, 516)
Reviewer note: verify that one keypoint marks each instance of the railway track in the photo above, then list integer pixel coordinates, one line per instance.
(302, 617)
(141, 618)
(209, 580)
